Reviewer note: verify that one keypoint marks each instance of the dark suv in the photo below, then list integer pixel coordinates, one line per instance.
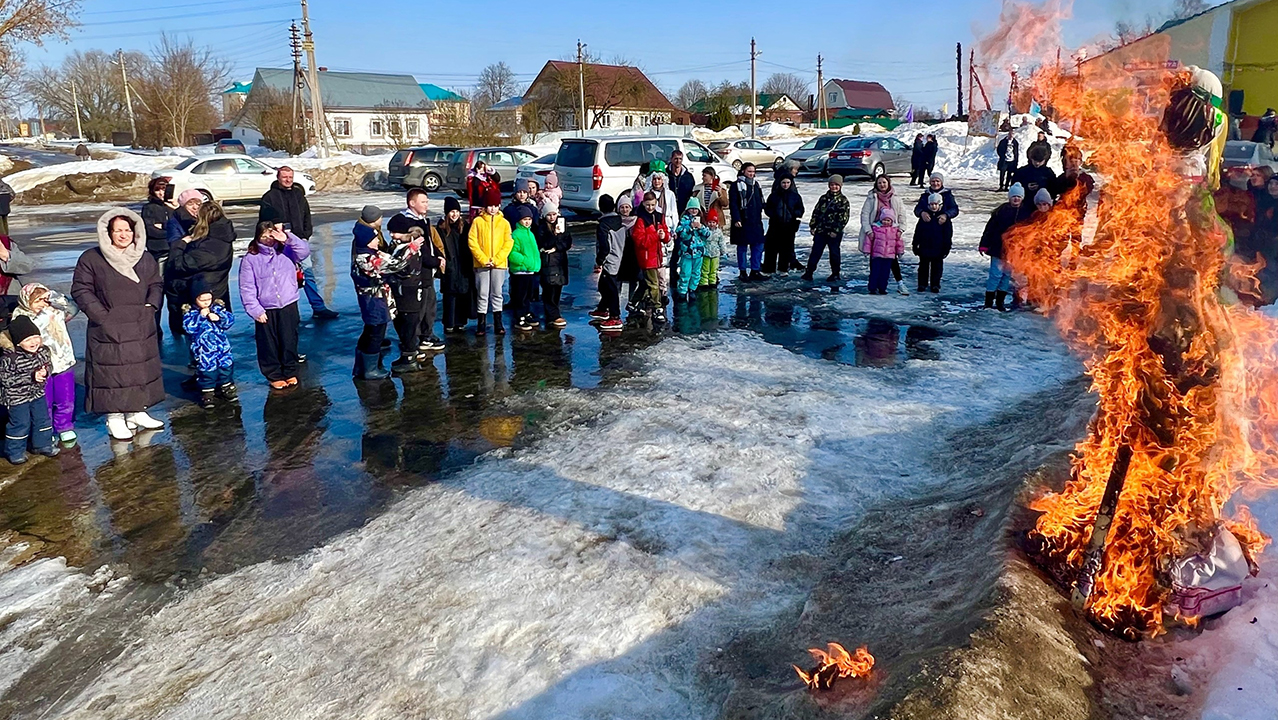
(422, 167)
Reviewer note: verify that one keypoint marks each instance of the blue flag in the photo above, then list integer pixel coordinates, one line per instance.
(909, 114)
(1035, 108)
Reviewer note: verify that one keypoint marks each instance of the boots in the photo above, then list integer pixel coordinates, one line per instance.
(206, 400)
(144, 421)
(405, 364)
(498, 327)
(117, 427)
(989, 300)
(1001, 301)
(368, 368)
(481, 326)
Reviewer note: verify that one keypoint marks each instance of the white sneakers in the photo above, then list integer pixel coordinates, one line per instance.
(121, 426)
(900, 287)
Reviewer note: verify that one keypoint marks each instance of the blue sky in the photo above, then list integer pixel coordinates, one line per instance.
(909, 47)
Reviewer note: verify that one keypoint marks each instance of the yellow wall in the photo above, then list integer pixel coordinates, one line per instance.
(1252, 59)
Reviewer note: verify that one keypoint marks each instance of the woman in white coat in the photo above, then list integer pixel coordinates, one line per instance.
(883, 196)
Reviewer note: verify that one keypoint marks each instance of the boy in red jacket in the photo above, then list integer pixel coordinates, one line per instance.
(649, 233)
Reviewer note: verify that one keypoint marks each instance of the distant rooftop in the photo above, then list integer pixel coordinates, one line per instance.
(439, 94)
(353, 90)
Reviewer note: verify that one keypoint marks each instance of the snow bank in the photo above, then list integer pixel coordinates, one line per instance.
(141, 164)
(976, 158)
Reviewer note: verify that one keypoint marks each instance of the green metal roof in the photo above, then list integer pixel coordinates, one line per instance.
(861, 113)
(353, 90)
(439, 94)
(239, 87)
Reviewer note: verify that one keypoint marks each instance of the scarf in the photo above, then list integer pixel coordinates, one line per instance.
(124, 260)
(628, 221)
(883, 200)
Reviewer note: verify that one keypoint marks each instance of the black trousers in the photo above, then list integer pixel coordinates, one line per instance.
(778, 251)
(175, 315)
(896, 269)
(408, 327)
(277, 343)
(819, 244)
(930, 270)
(370, 341)
(550, 296)
(426, 328)
(1005, 178)
(610, 294)
(522, 287)
(457, 309)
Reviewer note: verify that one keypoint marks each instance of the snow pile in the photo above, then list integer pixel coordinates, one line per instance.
(976, 158)
(775, 130)
(140, 164)
(706, 135)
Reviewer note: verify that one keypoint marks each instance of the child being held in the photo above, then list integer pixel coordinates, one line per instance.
(24, 369)
(205, 324)
(882, 244)
(50, 312)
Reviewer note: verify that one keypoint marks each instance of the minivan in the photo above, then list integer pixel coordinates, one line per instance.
(591, 167)
(421, 167)
(504, 161)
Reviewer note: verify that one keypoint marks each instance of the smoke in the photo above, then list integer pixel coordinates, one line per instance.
(1027, 34)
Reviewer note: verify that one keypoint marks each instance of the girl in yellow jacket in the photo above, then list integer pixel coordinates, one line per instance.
(490, 243)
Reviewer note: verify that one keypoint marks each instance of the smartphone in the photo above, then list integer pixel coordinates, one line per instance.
(559, 225)
(288, 227)
(168, 191)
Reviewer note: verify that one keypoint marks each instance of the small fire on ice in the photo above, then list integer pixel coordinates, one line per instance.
(835, 663)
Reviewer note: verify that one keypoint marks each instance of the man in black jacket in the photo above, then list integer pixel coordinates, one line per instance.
(1009, 158)
(1037, 174)
(681, 181)
(930, 150)
(916, 161)
(155, 216)
(288, 203)
(415, 299)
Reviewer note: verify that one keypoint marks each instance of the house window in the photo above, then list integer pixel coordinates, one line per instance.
(630, 121)
(342, 127)
(375, 128)
(394, 128)
(414, 128)
(834, 97)
(605, 120)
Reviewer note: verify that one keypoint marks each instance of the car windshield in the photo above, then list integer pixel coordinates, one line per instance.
(576, 154)
(1239, 151)
(186, 163)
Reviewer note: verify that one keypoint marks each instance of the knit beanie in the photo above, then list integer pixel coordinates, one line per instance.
(1017, 190)
(197, 287)
(451, 203)
(693, 202)
(625, 201)
(492, 196)
(370, 214)
(938, 175)
(836, 180)
(21, 327)
(523, 210)
(1043, 196)
(549, 207)
(189, 195)
(887, 213)
(936, 199)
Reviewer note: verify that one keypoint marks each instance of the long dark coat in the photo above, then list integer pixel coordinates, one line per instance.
(208, 259)
(747, 208)
(122, 371)
(459, 265)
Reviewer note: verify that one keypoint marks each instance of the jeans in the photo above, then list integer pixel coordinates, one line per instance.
(880, 269)
(930, 270)
(819, 244)
(1005, 178)
(310, 287)
(1000, 279)
(28, 420)
(370, 341)
(59, 392)
(755, 259)
(689, 273)
(277, 343)
(208, 379)
(488, 284)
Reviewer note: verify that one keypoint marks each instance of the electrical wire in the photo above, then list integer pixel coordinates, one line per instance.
(156, 33)
(187, 16)
(150, 8)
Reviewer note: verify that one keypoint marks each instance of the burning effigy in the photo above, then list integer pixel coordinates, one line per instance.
(1149, 527)
(835, 663)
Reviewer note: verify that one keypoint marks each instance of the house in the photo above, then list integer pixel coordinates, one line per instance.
(508, 112)
(233, 98)
(1233, 40)
(770, 108)
(451, 109)
(615, 96)
(856, 95)
(364, 110)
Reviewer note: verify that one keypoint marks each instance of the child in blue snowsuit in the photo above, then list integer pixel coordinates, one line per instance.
(205, 324)
(691, 236)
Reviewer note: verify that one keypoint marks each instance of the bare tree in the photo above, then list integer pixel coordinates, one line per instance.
(1188, 8)
(690, 93)
(31, 21)
(178, 89)
(402, 123)
(787, 84)
(557, 98)
(99, 90)
(496, 83)
(270, 111)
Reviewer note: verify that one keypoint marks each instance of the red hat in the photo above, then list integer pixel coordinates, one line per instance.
(492, 196)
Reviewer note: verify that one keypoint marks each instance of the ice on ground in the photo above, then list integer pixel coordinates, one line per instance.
(588, 574)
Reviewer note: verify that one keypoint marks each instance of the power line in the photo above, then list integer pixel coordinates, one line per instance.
(151, 8)
(187, 16)
(183, 31)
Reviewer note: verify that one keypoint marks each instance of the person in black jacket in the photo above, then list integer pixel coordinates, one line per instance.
(1265, 128)
(288, 201)
(1009, 158)
(936, 186)
(458, 276)
(554, 242)
(680, 180)
(206, 255)
(155, 216)
(916, 161)
(933, 240)
(1037, 174)
(414, 291)
(1040, 142)
(930, 150)
(785, 212)
(1004, 217)
(746, 200)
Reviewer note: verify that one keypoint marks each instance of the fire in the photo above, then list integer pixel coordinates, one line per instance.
(1026, 33)
(1188, 403)
(835, 663)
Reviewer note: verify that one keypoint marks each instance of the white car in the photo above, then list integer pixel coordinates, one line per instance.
(589, 168)
(227, 177)
(535, 170)
(737, 152)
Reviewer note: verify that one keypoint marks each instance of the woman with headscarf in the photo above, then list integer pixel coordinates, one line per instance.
(118, 287)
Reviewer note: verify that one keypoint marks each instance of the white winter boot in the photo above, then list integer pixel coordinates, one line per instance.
(117, 427)
(900, 287)
(144, 421)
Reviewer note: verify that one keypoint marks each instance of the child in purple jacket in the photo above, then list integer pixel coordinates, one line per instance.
(268, 289)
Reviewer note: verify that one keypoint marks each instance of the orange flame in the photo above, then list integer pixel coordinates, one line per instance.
(835, 663)
(1186, 376)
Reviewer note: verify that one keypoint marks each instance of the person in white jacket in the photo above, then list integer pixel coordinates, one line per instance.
(883, 196)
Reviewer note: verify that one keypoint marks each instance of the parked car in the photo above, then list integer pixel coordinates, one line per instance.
(227, 177)
(591, 167)
(230, 145)
(736, 152)
(869, 156)
(812, 155)
(504, 161)
(1244, 154)
(421, 167)
(536, 170)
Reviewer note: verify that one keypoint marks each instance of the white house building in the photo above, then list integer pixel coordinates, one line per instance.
(364, 110)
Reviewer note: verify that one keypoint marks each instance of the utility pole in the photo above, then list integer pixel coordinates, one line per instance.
(960, 80)
(128, 100)
(75, 102)
(40, 113)
(581, 87)
(822, 120)
(299, 80)
(317, 103)
(754, 94)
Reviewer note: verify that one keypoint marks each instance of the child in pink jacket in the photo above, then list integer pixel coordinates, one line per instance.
(882, 244)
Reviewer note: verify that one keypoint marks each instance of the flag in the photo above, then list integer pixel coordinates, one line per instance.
(945, 110)
(909, 115)
(1035, 108)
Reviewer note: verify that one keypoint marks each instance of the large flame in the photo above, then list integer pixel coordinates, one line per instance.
(834, 663)
(1185, 377)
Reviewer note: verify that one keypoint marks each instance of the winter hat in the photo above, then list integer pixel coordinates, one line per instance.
(1043, 196)
(198, 286)
(693, 202)
(836, 180)
(523, 210)
(492, 196)
(1017, 190)
(451, 203)
(936, 199)
(937, 176)
(887, 213)
(625, 201)
(20, 328)
(189, 195)
(370, 214)
(549, 207)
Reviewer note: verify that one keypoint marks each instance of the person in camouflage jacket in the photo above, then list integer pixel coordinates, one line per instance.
(828, 221)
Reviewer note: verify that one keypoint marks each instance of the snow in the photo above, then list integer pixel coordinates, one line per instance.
(976, 158)
(141, 164)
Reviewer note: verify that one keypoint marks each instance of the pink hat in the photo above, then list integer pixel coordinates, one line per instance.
(886, 214)
(189, 195)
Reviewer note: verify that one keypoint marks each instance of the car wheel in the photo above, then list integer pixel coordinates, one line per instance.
(736, 165)
(431, 182)
(878, 171)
